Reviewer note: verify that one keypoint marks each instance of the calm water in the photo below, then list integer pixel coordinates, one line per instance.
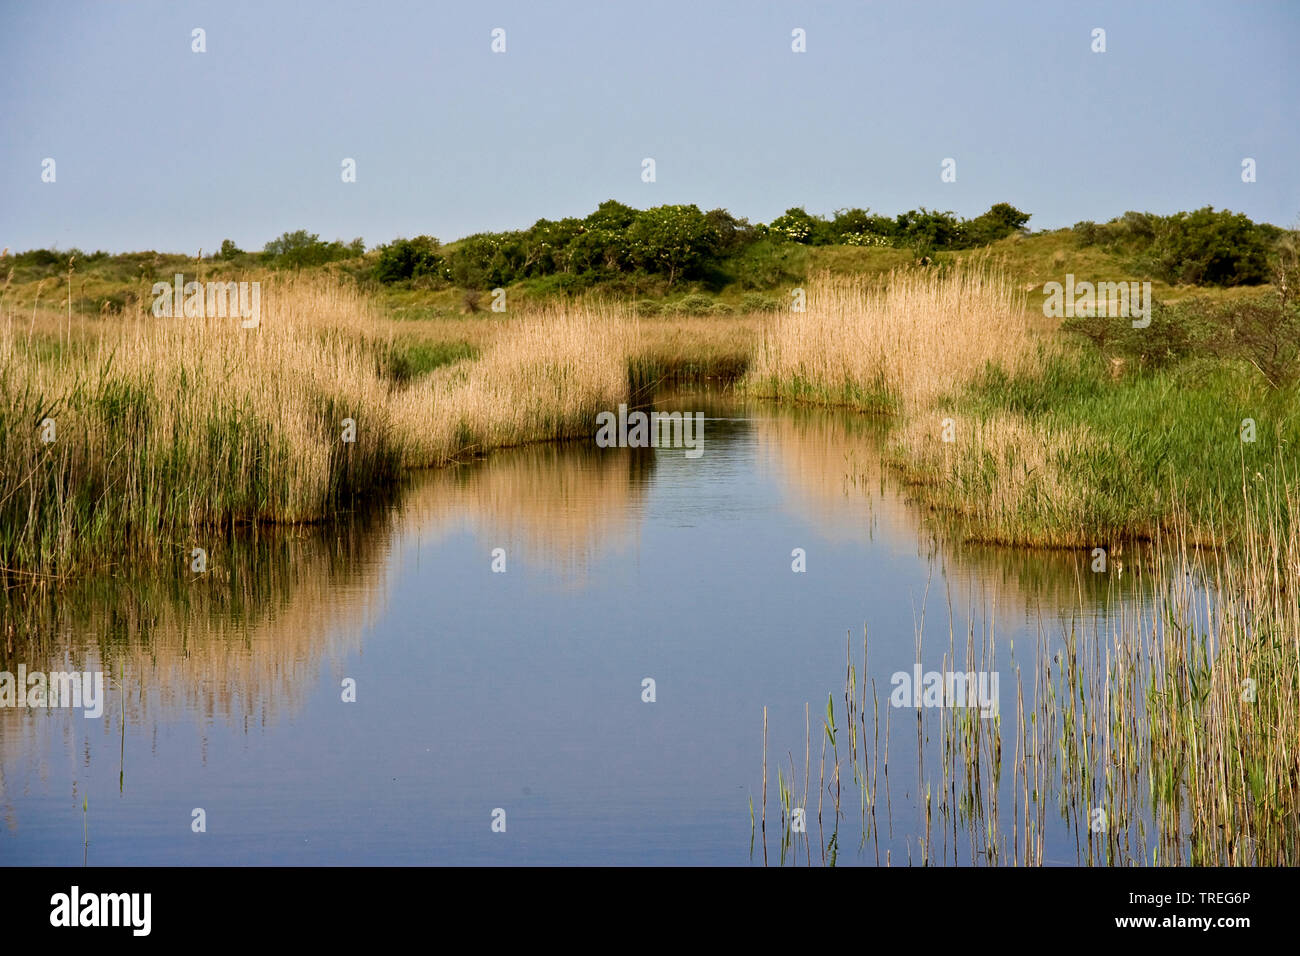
(520, 690)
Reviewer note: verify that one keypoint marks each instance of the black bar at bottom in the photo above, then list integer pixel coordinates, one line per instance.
(370, 904)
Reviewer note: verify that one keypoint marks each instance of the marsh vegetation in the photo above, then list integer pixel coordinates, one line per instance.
(127, 440)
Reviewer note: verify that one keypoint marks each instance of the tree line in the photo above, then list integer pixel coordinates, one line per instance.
(671, 244)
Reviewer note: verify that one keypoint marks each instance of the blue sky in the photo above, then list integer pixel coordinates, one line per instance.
(158, 147)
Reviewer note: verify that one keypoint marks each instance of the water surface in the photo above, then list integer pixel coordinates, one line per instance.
(522, 690)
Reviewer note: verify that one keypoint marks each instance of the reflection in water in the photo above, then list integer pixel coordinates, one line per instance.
(280, 617)
(238, 644)
(243, 641)
(560, 505)
(235, 643)
(829, 464)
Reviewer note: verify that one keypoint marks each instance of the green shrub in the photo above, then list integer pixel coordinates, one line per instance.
(1208, 248)
(1175, 333)
(768, 263)
(1000, 221)
(858, 227)
(409, 259)
(1204, 247)
(697, 303)
(293, 250)
(40, 257)
(676, 241)
(797, 226)
(560, 284)
(1263, 330)
(924, 231)
(757, 302)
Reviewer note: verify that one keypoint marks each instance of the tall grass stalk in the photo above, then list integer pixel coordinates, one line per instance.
(1163, 732)
(169, 428)
(894, 346)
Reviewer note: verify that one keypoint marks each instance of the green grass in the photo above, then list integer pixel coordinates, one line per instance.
(871, 398)
(1160, 441)
(405, 361)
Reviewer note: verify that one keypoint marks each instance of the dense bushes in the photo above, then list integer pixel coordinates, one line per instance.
(409, 259)
(1176, 332)
(673, 243)
(52, 261)
(294, 250)
(652, 252)
(767, 263)
(677, 243)
(1204, 247)
(1209, 248)
(922, 229)
(1261, 329)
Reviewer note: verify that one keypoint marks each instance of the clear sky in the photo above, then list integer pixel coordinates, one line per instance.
(158, 147)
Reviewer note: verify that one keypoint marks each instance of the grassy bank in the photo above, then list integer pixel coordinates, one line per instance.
(1004, 423)
(1020, 433)
(1075, 454)
(135, 437)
